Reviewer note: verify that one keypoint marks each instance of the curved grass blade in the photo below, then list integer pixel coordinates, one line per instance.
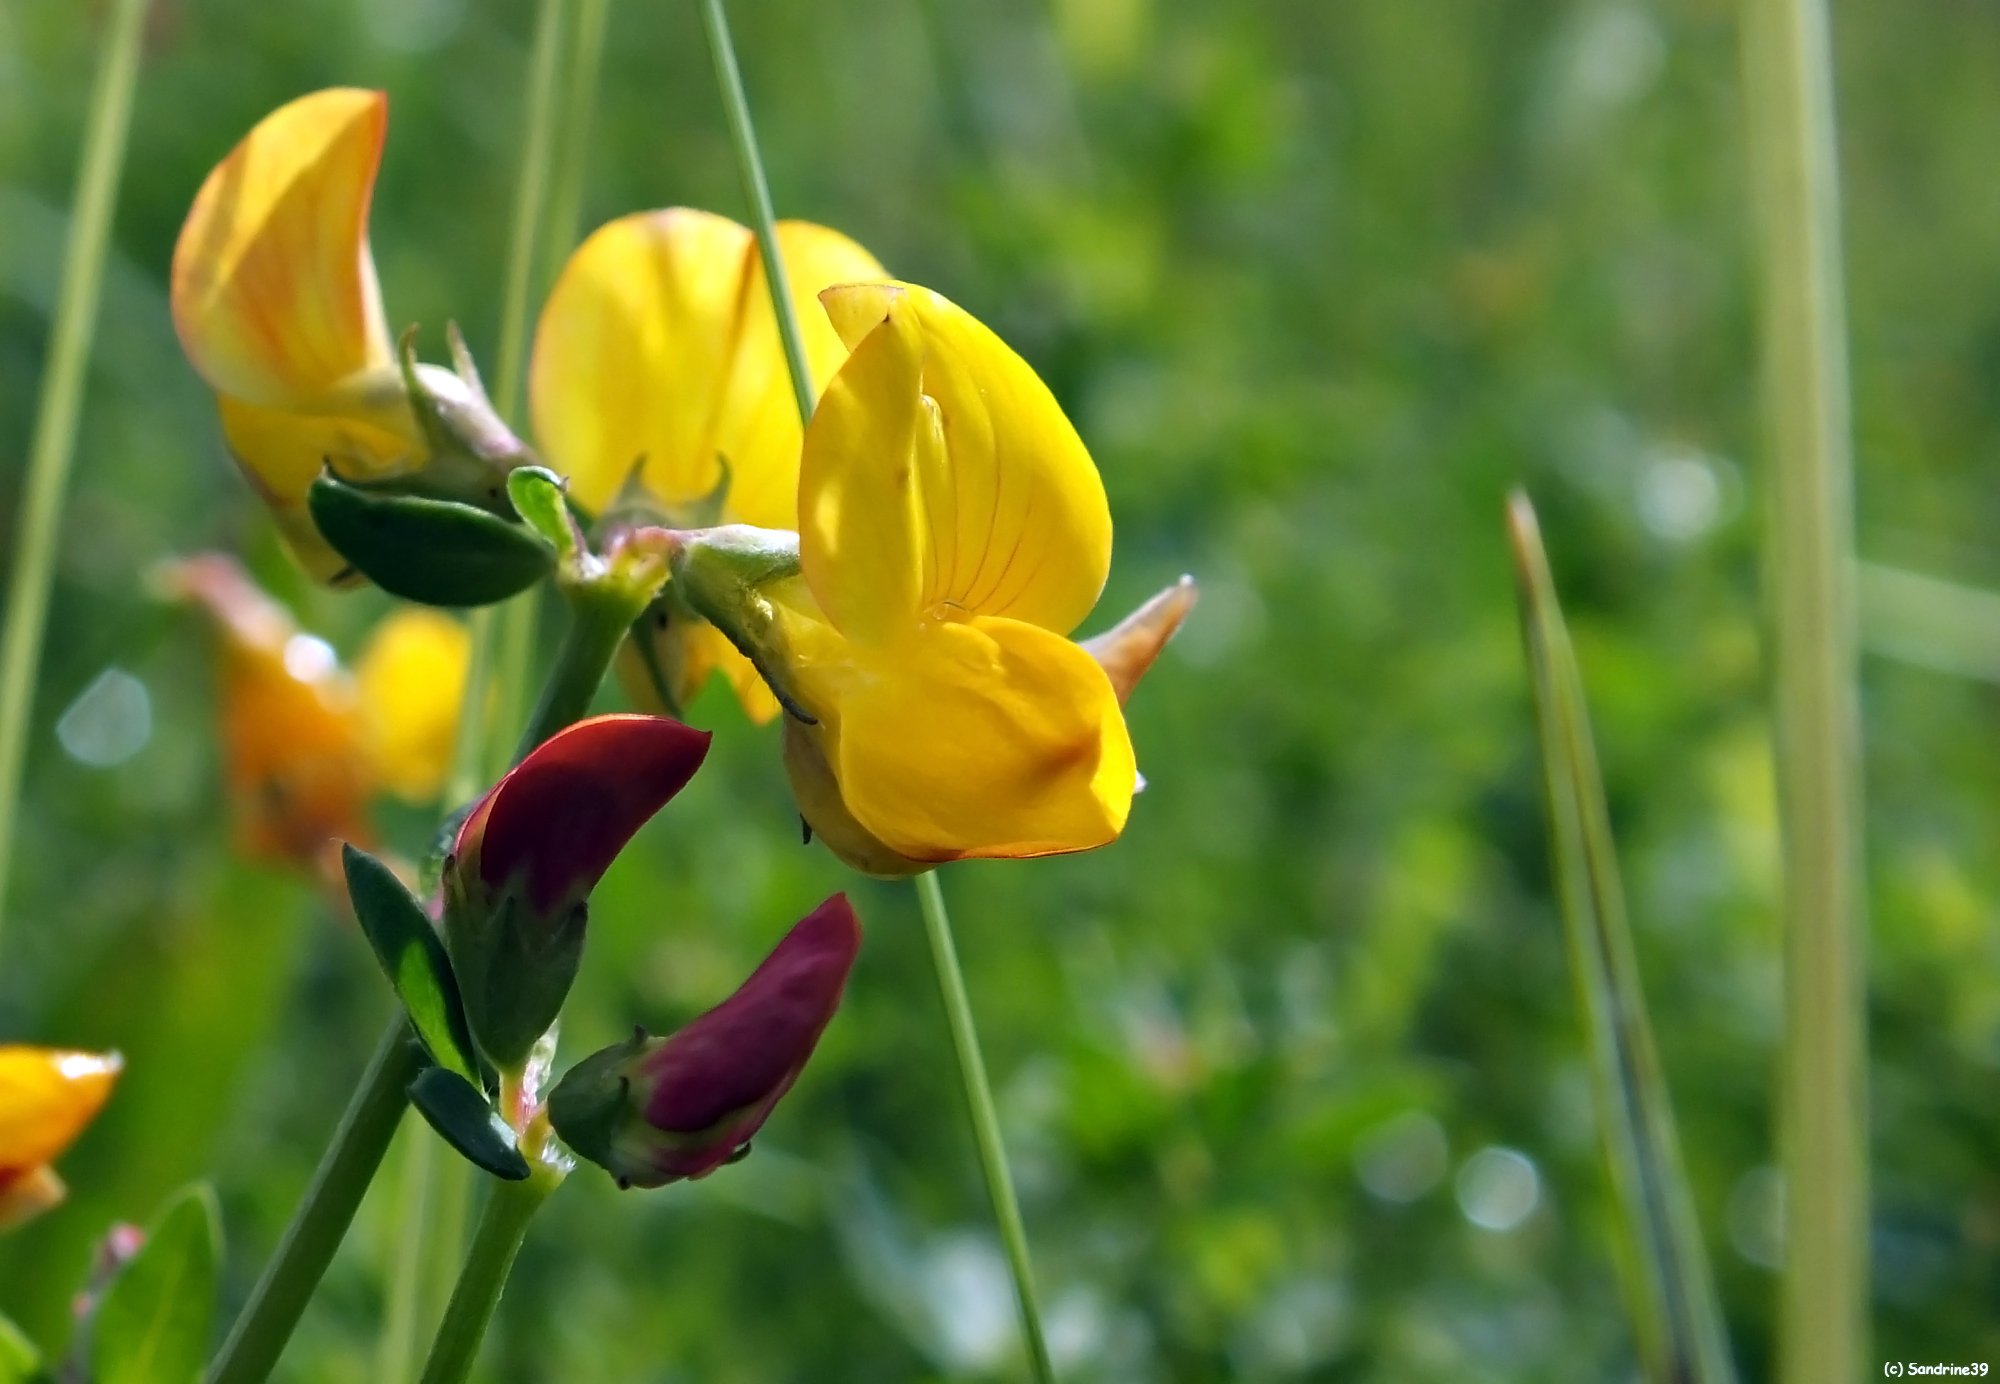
(1672, 1294)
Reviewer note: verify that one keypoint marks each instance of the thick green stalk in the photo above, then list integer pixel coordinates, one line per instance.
(937, 923)
(54, 444)
(502, 1227)
(363, 1136)
(599, 619)
(750, 165)
(1789, 84)
(985, 1120)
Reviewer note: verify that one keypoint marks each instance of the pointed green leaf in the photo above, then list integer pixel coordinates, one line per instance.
(461, 1115)
(152, 1326)
(412, 957)
(437, 552)
(1669, 1285)
(20, 1362)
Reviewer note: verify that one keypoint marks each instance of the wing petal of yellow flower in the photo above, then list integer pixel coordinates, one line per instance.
(990, 737)
(658, 341)
(411, 678)
(1012, 504)
(274, 292)
(47, 1098)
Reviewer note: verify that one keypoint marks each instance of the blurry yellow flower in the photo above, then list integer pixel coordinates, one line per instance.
(952, 532)
(411, 675)
(304, 751)
(657, 358)
(47, 1098)
(276, 303)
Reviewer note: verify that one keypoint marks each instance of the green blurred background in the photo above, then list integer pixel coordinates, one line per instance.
(1293, 1074)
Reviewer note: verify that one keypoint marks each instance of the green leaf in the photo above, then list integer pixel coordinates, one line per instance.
(437, 552)
(20, 1362)
(152, 1326)
(1671, 1292)
(412, 957)
(460, 1114)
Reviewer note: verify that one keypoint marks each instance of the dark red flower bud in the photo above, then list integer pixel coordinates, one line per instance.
(655, 1110)
(528, 855)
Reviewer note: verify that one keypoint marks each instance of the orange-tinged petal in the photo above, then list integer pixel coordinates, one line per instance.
(1128, 649)
(991, 737)
(274, 291)
(659, 342)
(47, 1097)
(295, 758)
(1012, 510)
(411, 677)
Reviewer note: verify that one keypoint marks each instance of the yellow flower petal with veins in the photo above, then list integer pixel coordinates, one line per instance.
(658, 342)
(274, 292)
(47, 1098)
(952, 531)
(658, 345)
(276, 303)
(411, 676)
(971, 486)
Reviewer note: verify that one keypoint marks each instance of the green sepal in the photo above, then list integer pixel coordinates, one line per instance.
(722, 574)
(592, 1104)
(413, 958)
(515, 968)
(463, 1118)
(537, 495)
(20, 1362)
(434, 552)
(153, 1323)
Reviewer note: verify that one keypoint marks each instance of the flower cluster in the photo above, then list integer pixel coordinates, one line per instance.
(898, 578)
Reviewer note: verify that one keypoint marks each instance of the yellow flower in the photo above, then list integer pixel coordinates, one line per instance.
(657, 359)
(276, 303)
(305, 751)
(47, 1098)
(952, 532)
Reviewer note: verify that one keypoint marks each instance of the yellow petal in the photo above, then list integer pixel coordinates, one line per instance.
(985, 738)
(1013, 518)
(296, 763)
(281, 454)
(47, 1097)
(411, 677)
(825, 811)
(862, 545)
(658, 341)
(274, 291)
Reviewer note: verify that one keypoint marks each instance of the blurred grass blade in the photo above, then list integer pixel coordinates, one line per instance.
(54, 443)
(1672, 1294)
(1809, 504)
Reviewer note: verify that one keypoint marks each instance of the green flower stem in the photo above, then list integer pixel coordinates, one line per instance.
(937, 923)
(54, 444)
(502, 1227)
(565, 205)
(417, 1162)
(344, 1173)
(602, 610)
(1822, 1327)
(985, 1120)
(750, 165)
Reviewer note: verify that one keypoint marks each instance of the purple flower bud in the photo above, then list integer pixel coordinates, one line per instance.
(655, 1110)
